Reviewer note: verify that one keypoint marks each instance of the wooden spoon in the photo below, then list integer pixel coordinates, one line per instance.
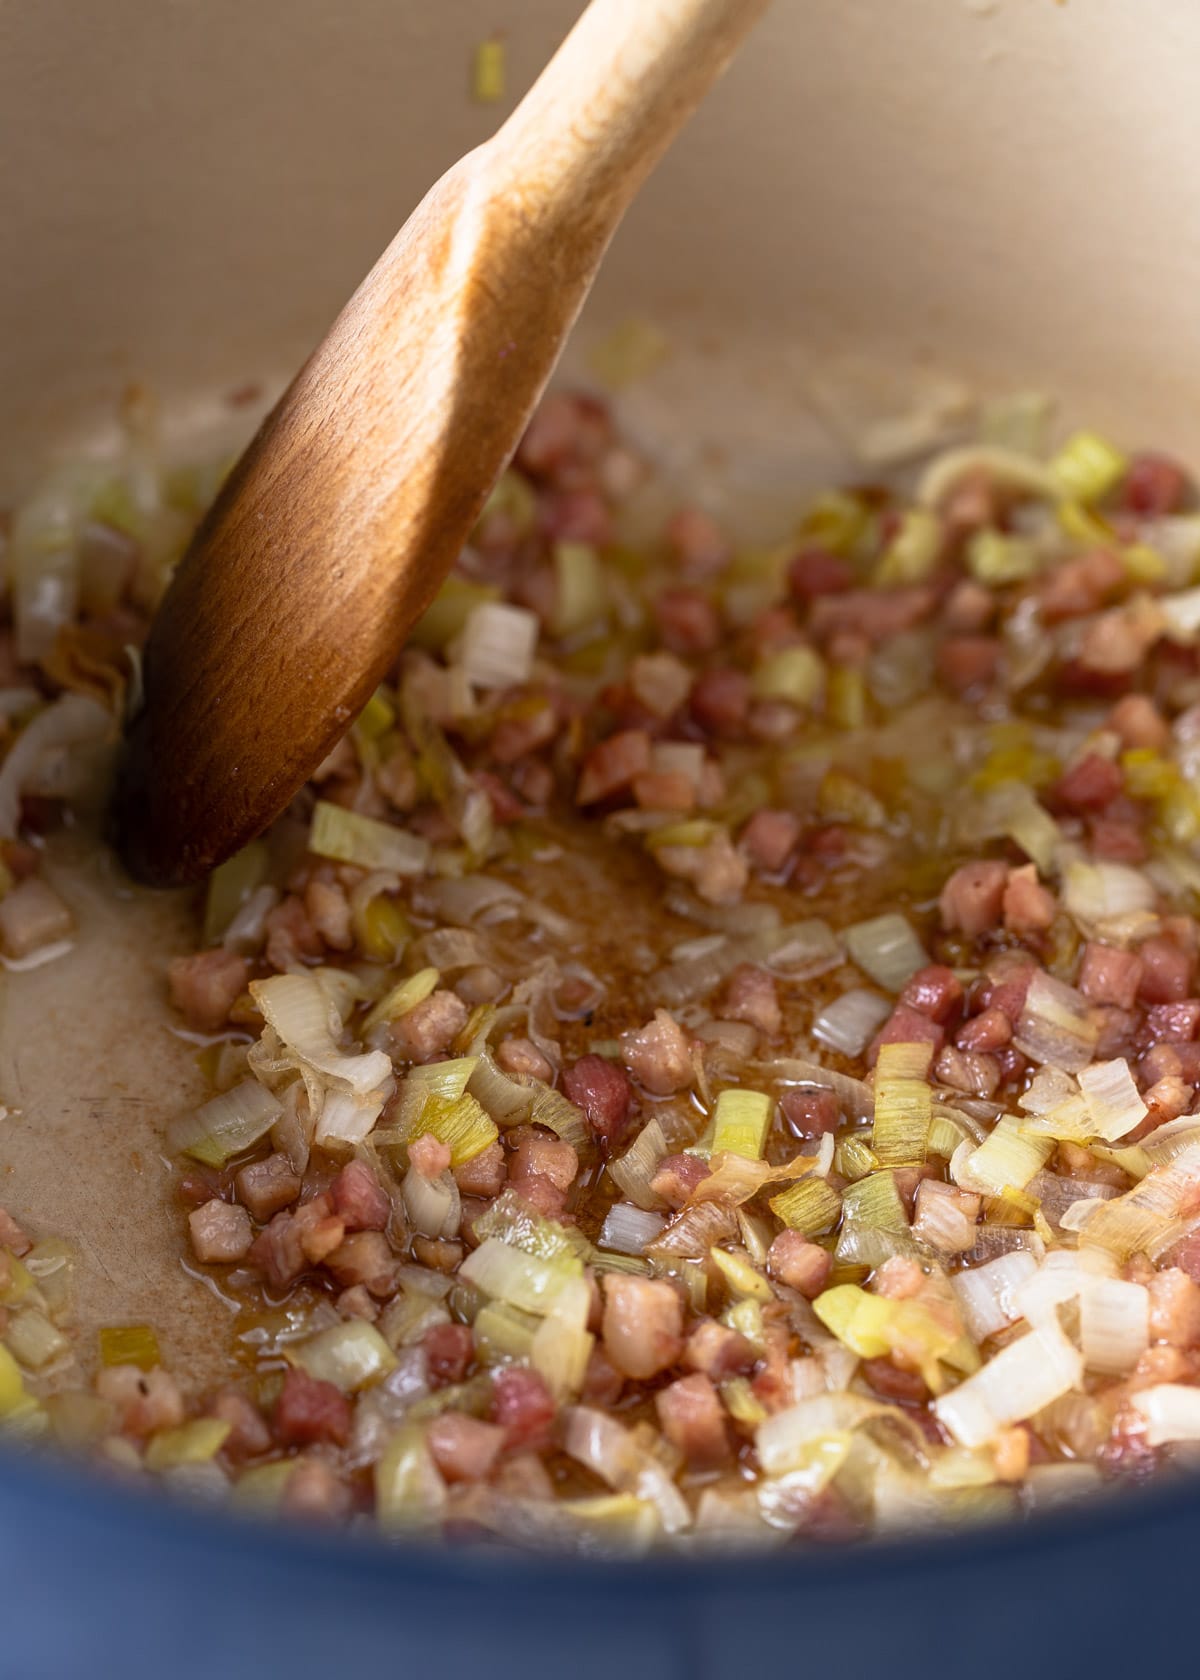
(336, 527)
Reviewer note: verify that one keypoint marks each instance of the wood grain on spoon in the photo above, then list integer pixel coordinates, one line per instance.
(336, 527)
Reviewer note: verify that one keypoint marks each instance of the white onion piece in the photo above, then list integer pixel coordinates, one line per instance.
(297, 1007)
(628, 1228)
(886, 948)
(851, 1021)
(1171, 1411)
(72, 722)
(986, 1293)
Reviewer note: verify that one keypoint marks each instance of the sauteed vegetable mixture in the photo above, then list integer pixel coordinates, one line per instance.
(711, 1057)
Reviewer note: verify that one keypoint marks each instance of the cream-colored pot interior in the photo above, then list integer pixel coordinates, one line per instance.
(881, 206)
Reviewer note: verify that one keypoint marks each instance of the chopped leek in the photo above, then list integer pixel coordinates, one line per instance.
(14, 1397)
(793, 674)
(226, 1125)
(298, 1009)
(846, 697)
(1145, 1219)
(520, 1279)
(403, 997)
(633, 349)
(409, 1490)
(562, 1344)
(502, 1333)
(742, 1119)
(1114, 1324)
(851, 1021)
(446, 615)
(230, 885)
(1015, 1383)
(498, 644)
(996, 559)
(581, 598)
(349, 837)
(1171, 1411)
(858, 1320)
(489, 71)
(811, 1207)
(628, 1228)
(903, 1104)
(35, 1341)
(1005, 1160)
(461, 1123)
(1086, 468)
(913, 552)
(1114, 1104)
(351, 1355)
(197, 1442)
(887, 949)
(1056, 1025)
(741, 1276)
(129, 1344)
(633, 1171)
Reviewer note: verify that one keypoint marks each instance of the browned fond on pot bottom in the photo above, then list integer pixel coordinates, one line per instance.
(335, 529)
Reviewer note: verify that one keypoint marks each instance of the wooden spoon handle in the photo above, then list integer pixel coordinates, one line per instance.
(615, 94)
(335, 529)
